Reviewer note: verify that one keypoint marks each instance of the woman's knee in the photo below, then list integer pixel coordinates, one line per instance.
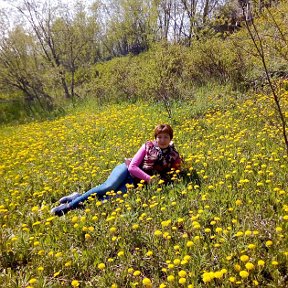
(107, 186)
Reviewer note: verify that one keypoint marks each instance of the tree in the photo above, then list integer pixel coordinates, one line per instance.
(130, 26)
(20, 68)
(76, 43)
(66, 39)
(276, 31)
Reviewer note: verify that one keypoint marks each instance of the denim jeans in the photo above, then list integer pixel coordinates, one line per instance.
(116, 181)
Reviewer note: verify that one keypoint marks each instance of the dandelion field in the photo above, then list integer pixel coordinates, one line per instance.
(228, 230)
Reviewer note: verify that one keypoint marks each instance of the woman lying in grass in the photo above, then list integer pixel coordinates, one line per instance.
(154, 157)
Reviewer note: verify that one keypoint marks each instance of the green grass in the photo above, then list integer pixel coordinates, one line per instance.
(181, 235)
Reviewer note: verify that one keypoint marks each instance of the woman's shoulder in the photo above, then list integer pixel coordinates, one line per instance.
(149, 143)
(174, 152)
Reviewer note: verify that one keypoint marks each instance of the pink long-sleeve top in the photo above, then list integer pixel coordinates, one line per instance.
(134, 166)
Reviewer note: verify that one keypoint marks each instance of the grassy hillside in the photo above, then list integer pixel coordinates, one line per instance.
(230, 230)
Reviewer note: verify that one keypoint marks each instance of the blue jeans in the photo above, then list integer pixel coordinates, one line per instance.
(116, 181)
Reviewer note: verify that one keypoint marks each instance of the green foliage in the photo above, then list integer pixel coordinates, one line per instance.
(216, 60)
(203, 232)
(11, 110)
(271, 26)
(166, 72)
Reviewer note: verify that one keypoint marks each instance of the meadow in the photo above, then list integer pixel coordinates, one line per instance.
(227, 230)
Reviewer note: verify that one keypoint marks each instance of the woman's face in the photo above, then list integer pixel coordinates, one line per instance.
(163, 140)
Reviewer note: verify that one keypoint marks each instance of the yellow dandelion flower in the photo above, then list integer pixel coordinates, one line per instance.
(101, 266)
(187, 257)
(182, 274)
(249, 266)
(278, 229)
(238, 202)
(170, 278)
(248, 233)
(147, 282)
(183, 262)
(224, 271)
(177, 261)
(170, 266)
(120, 253)
(218, 230)
(149, 253)
(136, 273)
(35, 209)
(244, 274)
(208, 277)
(158, 233)
(84, 229)
(255, 283)
(87, 236)
(130, 270)
(182, 281)
(36, 243)
(75, 283)
(113, 229)
(74, 219)
(32, 281)
(239, 234)
(176, 247)
(135, 226)
(268, 243)
(237, 267)
(251, 246)
(244, 258)
(196, 238)
(58, 254)
(189, 243)
(218, 274)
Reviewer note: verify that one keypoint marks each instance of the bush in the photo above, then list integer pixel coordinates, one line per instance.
(166, 72)
(215, 60)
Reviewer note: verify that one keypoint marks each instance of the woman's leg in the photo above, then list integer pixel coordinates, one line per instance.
(123, 188)
(118, 177)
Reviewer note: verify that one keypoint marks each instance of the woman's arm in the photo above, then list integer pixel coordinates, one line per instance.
(177, 164)
(134, 168)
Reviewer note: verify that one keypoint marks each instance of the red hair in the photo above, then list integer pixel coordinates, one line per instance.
(163, 128)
